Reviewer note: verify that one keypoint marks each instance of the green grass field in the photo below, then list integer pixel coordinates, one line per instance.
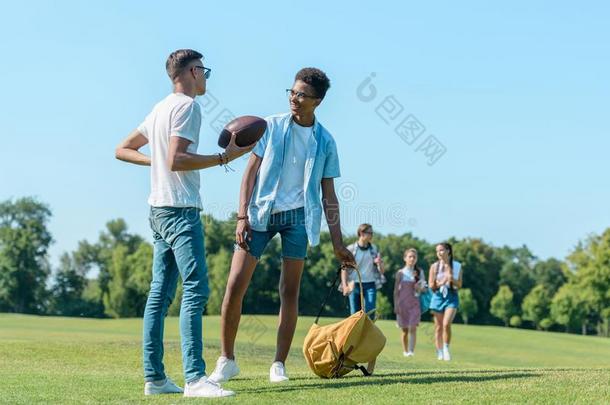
(70, 360)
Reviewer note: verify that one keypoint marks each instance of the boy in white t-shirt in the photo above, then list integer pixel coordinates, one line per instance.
(172, 130)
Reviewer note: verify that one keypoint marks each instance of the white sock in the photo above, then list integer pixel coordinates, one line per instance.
(411, 346)
(445, 346)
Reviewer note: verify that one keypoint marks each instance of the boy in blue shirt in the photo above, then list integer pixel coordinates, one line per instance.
(280, 193)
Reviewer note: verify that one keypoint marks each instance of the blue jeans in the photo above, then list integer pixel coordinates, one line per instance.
(178, 250)
(370, 297)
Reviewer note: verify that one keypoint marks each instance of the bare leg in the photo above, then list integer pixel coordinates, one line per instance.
(449, 315)
(413, 333)
(290, 283)
(404, 335)
(242, 268)
(438, 330)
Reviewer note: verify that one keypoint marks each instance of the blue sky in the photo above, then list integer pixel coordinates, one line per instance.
(515, 94)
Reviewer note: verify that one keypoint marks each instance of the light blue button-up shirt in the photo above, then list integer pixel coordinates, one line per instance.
(321, 162)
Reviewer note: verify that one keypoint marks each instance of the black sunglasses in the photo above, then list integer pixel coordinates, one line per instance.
(206, 71)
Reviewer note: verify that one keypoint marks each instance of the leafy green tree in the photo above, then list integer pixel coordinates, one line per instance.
(551, 274)
(520, 255)
(519, 278)
(123, 263)
(569, 308)
(218, 234)
(174, 308)
(515, 321)
(536, 305)
(130, 276)
(383, 307)
(590, 267)
(99, 256)
(24, 267)
(546, 323)
(320, 271)
(67, 291)
(92, 297)
(502, 304)
(218, 270)
(262, 296)
(468, 305)
(605, 313)
(481, 264)
(116, 300)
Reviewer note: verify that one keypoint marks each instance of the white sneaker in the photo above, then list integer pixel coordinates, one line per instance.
(439, 354)
(277, 373)
(205, 388)
(224, 371)
(408, 354)
(446, 354)
(168, 387)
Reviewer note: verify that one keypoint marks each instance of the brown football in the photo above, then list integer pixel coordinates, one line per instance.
(248, 130)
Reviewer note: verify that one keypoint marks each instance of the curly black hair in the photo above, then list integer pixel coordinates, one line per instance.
(315, 78)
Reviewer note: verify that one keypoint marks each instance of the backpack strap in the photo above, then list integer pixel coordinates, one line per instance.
(332, 287)
(374, 250)
(330, 290)
(363, 369)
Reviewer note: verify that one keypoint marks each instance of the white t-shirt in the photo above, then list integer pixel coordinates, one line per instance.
(291, 188)
(408, 275)
(176, 115)
(366, 265)
(457, 268)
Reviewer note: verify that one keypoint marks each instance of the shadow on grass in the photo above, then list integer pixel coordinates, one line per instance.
(399, 378)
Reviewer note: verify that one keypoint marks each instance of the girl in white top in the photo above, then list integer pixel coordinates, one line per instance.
(445, 279)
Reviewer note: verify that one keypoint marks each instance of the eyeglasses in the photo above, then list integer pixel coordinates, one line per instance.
(368, 232)
(207, 72)
(298, 94)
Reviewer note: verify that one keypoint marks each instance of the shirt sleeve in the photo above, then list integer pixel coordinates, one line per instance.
(261, 145)
(145, 127)
(331, 165)
(186, 121)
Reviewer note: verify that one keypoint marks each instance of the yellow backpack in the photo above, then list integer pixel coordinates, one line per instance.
(334, 350)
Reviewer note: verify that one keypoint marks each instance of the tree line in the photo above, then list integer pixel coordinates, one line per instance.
(110, 277)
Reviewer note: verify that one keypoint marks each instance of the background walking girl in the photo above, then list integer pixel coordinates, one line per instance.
(445, 279)
(409, 283)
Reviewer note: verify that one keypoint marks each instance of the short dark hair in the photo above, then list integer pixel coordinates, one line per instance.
(315, 78)
(364, 228)
(178, 60)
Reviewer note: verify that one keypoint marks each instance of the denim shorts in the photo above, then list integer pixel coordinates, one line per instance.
(291, 227)
(438, 303)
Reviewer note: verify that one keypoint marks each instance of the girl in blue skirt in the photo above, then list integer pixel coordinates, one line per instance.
(445, 279)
